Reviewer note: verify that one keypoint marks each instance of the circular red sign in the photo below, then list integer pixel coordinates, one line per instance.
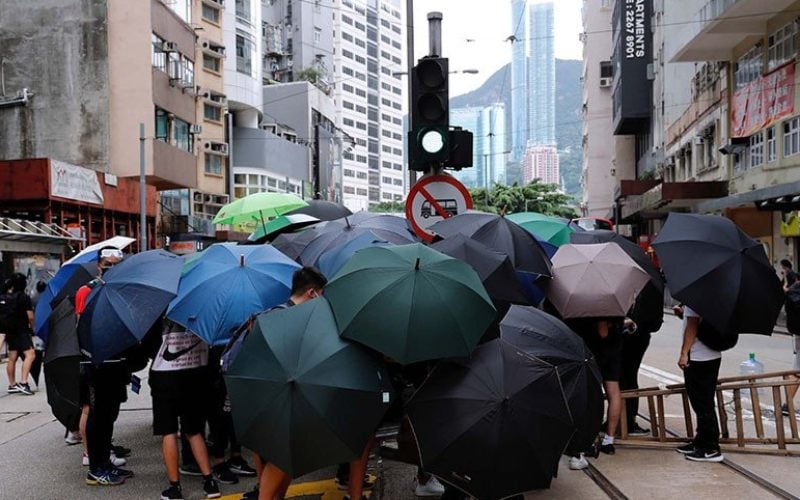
(433, 198)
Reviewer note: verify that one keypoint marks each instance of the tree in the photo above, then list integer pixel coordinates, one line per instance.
(389, 207)
(309, 74)
(534, 197)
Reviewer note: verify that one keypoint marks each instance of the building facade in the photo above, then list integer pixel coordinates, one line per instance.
(533, 75)
(368, 95)
(541, 163)
(488, 127)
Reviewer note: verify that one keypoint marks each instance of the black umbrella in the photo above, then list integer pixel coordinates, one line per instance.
(62, 365)
(292, 244)
(648, 312)
(494, 426)
(324, 210)
(720, 272)
(394, 230)
(500, 235)
(549, 339)
(494, 269)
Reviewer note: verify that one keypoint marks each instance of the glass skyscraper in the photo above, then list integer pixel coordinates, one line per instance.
(488, 127)
(533, 75)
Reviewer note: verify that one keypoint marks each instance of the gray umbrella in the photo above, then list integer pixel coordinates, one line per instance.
(62, 365)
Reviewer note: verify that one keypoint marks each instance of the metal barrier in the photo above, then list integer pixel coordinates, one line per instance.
(744, 397)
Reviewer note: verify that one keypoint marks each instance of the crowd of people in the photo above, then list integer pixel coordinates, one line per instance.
(192, 412)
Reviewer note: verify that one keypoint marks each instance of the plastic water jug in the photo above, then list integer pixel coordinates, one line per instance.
(751, 366)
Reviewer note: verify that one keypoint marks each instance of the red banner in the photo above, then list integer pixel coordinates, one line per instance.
(763, 101)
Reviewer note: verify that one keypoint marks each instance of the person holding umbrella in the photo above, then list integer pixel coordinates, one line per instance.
(16, 305)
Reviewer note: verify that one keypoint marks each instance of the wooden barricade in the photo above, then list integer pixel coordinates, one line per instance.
(744, 394)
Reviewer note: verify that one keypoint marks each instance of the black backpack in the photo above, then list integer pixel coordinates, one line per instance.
(9, 304)
(715, 339)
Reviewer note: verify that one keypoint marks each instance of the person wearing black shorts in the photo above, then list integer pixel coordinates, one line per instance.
(19, 338)
(178, 379)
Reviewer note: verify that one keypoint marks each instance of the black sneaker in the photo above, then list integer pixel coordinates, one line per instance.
(705, 456)
(240, 467)
(123, 473)
(121, 451)
(211, 488)
(251, 495)
(172, 493)
(637, 430)
(608, 449)
(686, 449)
(103, 478)
(13, 389)
(224, 475)
(190, 470)
(24, 389)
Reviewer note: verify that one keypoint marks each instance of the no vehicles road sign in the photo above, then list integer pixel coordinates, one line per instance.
(434, 198)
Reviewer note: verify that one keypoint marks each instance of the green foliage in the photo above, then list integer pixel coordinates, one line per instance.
(534, 197)
(309, 74)
(389, 207)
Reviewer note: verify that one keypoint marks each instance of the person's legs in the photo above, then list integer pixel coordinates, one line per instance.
(169, 448)
(82, 427)
(11, 368)
(614, 406)
(100, 423)
(633, 349)
(27, 362)
(272, 482)
(358, 468)
(200, 453)
(701, 381)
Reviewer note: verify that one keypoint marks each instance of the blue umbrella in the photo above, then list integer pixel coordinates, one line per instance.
(131, 298)
(331, 261)
(78, 272)
(548, 247)
(227, 284)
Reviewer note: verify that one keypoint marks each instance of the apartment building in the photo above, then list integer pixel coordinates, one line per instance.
(540, 163)
(368, 95)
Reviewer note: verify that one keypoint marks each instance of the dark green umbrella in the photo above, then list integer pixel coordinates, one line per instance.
(302, 397)
(410, 303)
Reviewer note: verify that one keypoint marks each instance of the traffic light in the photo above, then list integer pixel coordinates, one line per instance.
(460, 149)
(429, 136)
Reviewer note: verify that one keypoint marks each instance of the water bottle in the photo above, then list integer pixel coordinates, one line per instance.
(751, 366)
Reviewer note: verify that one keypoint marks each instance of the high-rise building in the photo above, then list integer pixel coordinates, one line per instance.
(488, 125)
(533, 75)
(541, 162)
(368, 94)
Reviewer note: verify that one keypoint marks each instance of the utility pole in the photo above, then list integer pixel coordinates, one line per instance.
(142, 193)
(412, 175)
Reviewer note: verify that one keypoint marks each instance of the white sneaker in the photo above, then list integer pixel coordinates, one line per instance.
(72, 438)
(578, 463)
(433, 488)
(117, 461)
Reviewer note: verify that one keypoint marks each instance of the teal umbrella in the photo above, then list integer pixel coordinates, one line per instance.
(302, 397)
(550, 229)
(282, 224)
(410, 303)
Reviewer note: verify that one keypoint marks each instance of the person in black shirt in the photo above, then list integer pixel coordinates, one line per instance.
(20, 335)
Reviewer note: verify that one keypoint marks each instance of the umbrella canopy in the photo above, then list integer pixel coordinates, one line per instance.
(324, 210)
(67, 281)
(258, 208)
(501, 235)
(89, 253)
(292, 244)
(226, 285)
(62, 365)
(282, 224)
(551, 229)
(549, 339)
(494, 426)
(331, 261)
(594, 281)
(302, 397)
(410, 303)
(493, 268)
(132, 296)
(720, 272)
(388, 228)
(649, 308)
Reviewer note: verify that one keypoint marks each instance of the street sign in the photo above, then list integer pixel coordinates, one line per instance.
(434, 198)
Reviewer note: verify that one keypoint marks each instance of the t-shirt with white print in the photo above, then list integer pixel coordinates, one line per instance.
(699, 351)
(180, 350)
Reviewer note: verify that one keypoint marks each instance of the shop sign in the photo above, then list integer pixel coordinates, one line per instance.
(74, 183)
(790, 225)
(763, 101)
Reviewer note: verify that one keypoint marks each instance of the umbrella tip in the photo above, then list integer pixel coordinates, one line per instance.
(416, 266)
(241, 260)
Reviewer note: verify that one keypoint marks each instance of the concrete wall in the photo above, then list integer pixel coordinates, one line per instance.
(66, 67)
(260, 149)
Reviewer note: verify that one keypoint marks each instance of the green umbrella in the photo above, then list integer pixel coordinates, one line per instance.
(282, 224)
(302, 397)
(551, 229)
(410, 303)
(258, 207)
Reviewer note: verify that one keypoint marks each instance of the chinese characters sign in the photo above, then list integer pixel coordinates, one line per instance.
(763, 101)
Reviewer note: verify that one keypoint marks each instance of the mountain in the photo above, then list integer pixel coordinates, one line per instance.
(497, 88)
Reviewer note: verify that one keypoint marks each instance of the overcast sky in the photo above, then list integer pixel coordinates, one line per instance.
(488, 23)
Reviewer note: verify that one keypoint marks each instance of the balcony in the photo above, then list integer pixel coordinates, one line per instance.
(173, 168)
(721, 25)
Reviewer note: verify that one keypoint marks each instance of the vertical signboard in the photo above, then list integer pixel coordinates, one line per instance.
(632, 55)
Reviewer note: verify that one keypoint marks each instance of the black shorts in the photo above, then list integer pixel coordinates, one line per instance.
(609, 358)
(178, 399)
(19, 342)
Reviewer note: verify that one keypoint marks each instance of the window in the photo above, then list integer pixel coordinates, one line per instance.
(212, 113)
(385, 133)
(360, 60)
(361, 159)
(756, 149)
(347, 105)
(606, 69)
(349, 190)
(386, 149)
(781, 46)
(397, 151)
(212, 63)
(348, 172)
(213, 164)
(243, 10)
(244, 53)
(347, 53)
(210, 13)
(396, 45)
(397, 105)
(387, 196)
(361, 191)
(397, 137)
(386, 86)
(396, 90)
(347, 88)
(361, 93)
(317, 35)
(183, 139)
(360, 43)
(386, 55)
(359, 26)
(347, 36)
(772, 145)
(386, 180)
(159, 57)
(348, 122)
(398, 182)
(361, 126)
(397, 166)
(749, 67)
(347, 71)
(361, 175)
(162, 125)
(385, 39)
(347, 20)
(791, 137)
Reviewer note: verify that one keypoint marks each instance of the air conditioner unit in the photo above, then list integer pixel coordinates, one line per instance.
(699, 140)
(220, 148)
(206, 94)
(169, 47)
(196, 129)
(606, 82)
